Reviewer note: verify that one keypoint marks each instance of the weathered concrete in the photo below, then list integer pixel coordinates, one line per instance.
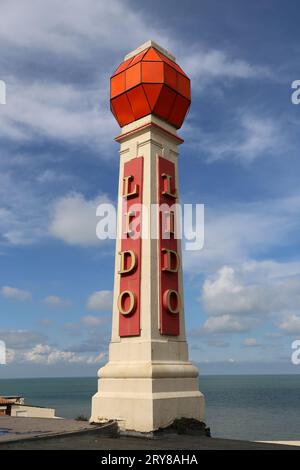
(98, 442)
(76, 435)
(22, 428)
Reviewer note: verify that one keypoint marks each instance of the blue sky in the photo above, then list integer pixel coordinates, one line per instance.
(59, 160)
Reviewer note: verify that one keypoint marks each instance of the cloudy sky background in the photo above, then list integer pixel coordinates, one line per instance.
(59, 160)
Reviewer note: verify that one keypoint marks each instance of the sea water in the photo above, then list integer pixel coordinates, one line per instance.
(250, 407)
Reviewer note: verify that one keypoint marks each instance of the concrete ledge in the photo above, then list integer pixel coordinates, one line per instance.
(26, 429)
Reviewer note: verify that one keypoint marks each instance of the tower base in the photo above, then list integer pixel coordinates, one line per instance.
(145, 397)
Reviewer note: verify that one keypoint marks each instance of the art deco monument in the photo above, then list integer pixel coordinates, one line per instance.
(148, 381)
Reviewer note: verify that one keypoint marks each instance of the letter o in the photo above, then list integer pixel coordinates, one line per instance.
(167, 301)
(132, 302)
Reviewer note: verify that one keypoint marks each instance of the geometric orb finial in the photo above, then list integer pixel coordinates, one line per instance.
(149, 81)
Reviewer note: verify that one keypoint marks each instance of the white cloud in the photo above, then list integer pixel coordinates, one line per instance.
(100, 301)
(238, 289)
(258, 137)
(291, 324)
(225, 324)
(57, 111)
(251, 136)
(21, 339)
(235, 233)
(56, 301)
(208, 65)
(74, 221)
(240, 298)
(73, 27)
(15, 293)
(233, 292)
(46, 322)
(25, 346)
(49, 176)
(227, 294)
(250, 342)
(65, 100)
(91, 321)
(66, 32)
(45, 354)
(77, 32)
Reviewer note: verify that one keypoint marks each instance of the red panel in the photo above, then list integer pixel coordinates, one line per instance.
(171, 63)
(152, 92)
(129, 325)
(152, 72)
(138, 58)
(165, 102)
(169, 322)
(138, 101)
(152, 55)
(133, 75)
(117, 84)
(170, 76)
(122, 109)
(123, 66)
(179, 111)
(184, 86)
(160, 78)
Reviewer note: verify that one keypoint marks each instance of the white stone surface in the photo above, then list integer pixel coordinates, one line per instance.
(146, 45)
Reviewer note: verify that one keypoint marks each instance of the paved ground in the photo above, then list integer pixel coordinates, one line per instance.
(22, 428)
(89, 442)
(24, 432)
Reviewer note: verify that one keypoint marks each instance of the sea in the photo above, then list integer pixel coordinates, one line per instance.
(251, 407)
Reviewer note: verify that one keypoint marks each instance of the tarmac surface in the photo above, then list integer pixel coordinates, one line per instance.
(61, 434)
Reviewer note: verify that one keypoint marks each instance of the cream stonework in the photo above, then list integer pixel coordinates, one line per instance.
(148, 381)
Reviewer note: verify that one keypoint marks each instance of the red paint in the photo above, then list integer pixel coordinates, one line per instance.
(150, 83)
(129, 325)
(169, 322)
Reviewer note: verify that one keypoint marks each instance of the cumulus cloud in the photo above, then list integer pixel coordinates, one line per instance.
(74, 221)
(234, 234)
(239, 298)
(56, 301)
(15, 293)
(25, 346)
(45, 354)
(228, 294)
(100, 301)
(232, 292)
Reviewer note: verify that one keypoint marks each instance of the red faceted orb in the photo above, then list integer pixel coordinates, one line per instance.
(150, 83)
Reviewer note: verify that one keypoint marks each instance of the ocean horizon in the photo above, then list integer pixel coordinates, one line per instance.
(251, 407)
